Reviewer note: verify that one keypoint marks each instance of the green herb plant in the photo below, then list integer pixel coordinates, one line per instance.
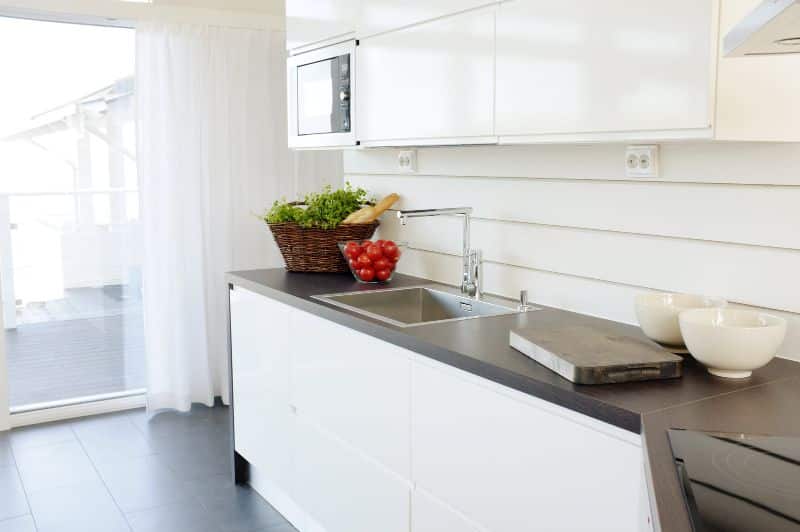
(323, 210)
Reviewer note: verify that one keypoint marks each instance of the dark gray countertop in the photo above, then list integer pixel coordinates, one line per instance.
(480, 346)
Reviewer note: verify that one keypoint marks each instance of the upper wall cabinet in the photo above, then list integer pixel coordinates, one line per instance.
(432, 83)
(309, 22)
(574, 68)
(378, 16)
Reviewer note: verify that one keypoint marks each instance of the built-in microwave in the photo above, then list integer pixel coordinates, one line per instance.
(321, 89)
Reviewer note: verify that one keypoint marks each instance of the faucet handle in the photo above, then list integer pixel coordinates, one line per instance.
(523, 301)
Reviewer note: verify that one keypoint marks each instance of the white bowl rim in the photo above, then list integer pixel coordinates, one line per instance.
(659, 297)
(776, 321)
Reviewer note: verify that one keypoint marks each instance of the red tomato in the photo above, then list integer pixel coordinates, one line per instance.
(353, 264)
(364, 260)
(366, 274)
(380, 243)
(365, 243)
(374, 252)
(382, 264)
(390, 250)
(383, 275)
(384, 242)
(352, 250)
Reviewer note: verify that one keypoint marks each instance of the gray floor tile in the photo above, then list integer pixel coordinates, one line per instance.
(55, 466)
(142, 483)
(6, 456)
(110, 439)
(235, 508)
(18, 524)
(286, 527)
(40, 435)
(78, 508)
(178, 517)
(12, 497)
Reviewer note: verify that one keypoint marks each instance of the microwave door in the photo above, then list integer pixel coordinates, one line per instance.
(315, 99)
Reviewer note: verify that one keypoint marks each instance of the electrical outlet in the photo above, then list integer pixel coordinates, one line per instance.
(641, 161)
(407, 161)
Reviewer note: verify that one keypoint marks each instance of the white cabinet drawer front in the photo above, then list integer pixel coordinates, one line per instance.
(435, 80)
(509, 466)
(262, 419)
(343, 490)
(574, 66)
(430, 515)
(354, 385)
(378, 16)
(260, 344)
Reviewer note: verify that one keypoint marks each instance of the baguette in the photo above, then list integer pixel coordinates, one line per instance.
(369, 214)
(356, 214)
(379, 208)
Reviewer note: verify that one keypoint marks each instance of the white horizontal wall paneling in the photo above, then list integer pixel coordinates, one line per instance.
(565, 223)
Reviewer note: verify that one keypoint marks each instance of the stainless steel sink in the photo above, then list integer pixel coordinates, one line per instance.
(419, 305)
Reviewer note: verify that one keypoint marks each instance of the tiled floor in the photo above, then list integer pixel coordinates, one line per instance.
(123, 472)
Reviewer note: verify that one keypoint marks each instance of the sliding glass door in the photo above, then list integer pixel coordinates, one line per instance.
(70, 243)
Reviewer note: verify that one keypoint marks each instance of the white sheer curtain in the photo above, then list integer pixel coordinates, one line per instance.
(211, 105)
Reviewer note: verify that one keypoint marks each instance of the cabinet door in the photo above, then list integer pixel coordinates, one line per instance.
(430, 515)
(509, 465)
(428, 84)
(343, 490)
(578, 67)
(378, 16)
(262, 419)
(311, 21)
(354, 385)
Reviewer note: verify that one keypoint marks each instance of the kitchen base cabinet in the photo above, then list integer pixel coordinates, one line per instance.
(509, 465)
(343, 490)
(355, 386)
(431, 515)
(260, 375)
(348, 433)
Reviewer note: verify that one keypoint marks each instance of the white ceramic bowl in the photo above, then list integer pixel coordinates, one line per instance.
(732, 342)
(658, 314)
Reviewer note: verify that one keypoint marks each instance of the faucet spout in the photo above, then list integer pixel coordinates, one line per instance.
(471, 258)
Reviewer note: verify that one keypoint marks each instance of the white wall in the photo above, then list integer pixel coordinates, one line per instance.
(563, 222)
(266, 14)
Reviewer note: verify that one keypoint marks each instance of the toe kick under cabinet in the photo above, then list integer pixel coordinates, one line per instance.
(344, 432)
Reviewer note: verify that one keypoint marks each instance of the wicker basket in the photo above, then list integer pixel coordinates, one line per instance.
(316, 250)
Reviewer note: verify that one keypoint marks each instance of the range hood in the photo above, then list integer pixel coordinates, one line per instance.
(772, 28)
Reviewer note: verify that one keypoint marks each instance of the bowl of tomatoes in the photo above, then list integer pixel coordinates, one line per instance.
(371, 261)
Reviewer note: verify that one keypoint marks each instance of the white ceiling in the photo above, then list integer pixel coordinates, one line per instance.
(272, 7)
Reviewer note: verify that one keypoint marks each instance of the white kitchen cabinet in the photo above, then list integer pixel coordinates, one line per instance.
(431, 83)
(378, 16)
(355, 386)
(431, 515)
(589, 70)
(509, 464)
(344, 491)
(319, 21)
(260, 349)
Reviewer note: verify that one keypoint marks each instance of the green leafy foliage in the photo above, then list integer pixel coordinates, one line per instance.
(324, 210)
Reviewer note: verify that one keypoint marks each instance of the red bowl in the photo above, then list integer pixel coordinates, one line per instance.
(375, 264)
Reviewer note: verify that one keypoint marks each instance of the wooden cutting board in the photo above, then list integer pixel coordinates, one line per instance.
(591, 355)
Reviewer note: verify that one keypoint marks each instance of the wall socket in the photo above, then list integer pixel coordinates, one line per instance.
(641, 161)
(407, 161)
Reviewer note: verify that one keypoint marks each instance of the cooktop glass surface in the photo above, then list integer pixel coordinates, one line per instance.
(739, 482)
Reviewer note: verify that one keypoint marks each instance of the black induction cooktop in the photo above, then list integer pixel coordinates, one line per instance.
(739, 482)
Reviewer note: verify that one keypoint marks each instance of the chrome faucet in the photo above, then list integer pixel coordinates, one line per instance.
(470, 278)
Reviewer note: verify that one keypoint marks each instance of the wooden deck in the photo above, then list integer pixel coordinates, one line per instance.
(90, 343)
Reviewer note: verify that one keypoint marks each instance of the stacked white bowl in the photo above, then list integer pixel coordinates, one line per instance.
(730, 342)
